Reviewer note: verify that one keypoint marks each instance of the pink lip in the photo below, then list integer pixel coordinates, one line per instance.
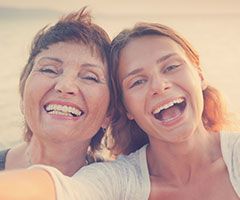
(62, 117)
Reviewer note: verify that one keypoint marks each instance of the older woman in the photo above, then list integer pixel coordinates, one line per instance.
(167, 113)
(64, 96)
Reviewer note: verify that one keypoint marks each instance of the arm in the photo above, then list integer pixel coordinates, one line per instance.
(95, 182)
(31, 184)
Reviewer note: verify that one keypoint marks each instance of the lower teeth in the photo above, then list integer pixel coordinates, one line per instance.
(60, 113)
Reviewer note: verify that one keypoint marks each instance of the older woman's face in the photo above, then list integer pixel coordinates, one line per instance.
(66, 95)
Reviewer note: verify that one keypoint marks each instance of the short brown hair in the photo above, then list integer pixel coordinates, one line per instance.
(126, 134)
(74, 27)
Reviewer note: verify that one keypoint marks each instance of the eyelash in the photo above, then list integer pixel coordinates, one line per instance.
(167, 69)
(137, 82)
(171, 68)
(91, 78)
(48, 70)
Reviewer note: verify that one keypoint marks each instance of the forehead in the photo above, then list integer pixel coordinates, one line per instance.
(148, 44)
(146, 49)
(72, 47)
(72, 51)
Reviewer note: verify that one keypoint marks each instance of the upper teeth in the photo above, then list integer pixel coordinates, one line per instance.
(63, 109)
(168, 105)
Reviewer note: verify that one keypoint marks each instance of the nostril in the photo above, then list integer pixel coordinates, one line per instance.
(59, 91)
(66, 86)
(70, 92)
(66, 92)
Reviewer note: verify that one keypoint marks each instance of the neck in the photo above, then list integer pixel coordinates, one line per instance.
(179, 162)
(66, 157)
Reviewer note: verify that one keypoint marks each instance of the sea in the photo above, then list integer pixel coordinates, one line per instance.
(215, 36)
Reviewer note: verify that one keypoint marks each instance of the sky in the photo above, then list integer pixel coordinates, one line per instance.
(149, 7)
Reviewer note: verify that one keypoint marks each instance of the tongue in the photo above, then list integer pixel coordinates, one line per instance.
(170, 113)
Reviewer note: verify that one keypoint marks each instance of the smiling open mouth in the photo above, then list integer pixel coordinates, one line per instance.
(57, 109)
(171, 110)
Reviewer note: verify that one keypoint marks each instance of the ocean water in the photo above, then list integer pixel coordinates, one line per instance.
(216, 38)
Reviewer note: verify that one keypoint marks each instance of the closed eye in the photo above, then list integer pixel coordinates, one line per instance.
(91, 77)
(48, 70)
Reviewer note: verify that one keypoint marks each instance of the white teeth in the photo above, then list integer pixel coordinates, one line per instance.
(168, 105)
(63, 110)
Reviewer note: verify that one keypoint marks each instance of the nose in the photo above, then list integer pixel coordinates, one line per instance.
(158, 85)
(66, 86)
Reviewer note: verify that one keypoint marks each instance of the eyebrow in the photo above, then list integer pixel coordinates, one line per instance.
(135, 71)
(162, 59)
(51, 58)
(90, 65)
(60, 61)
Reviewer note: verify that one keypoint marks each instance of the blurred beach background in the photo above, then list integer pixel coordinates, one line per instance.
(212, 26)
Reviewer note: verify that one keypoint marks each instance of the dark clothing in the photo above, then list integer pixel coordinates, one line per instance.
(89, 158)
(3, 155)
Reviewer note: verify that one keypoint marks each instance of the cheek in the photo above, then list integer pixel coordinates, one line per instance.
(29, 111)
(133, 103)
(190, 80)
(33, 93)
(98, 99)
(37, 86)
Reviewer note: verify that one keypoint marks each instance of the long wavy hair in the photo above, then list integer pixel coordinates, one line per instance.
(126, 135)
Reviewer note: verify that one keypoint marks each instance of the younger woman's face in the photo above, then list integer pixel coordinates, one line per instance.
(162, 90)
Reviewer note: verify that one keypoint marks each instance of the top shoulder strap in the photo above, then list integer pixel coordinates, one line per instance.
(3, 155)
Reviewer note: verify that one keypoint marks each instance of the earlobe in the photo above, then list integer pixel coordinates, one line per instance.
(129, 116)
(106, 122)
(21, 106)
(204, 85)
(203, 80)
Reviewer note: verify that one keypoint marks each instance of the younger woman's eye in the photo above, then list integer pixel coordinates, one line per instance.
(137, 83)
(171, 68)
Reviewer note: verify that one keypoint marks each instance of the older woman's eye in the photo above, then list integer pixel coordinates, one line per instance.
(48, 70)
(91, 77)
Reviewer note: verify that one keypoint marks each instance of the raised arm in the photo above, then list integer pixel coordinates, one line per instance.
(28, 184)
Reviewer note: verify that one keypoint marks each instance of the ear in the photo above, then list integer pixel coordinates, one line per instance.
(129, 116)
(21, 106)
(106, 122)
(204, 83)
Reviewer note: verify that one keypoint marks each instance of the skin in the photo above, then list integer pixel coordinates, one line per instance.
(182, 155)
(23, 187)
(66, 74)
(182, 164)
